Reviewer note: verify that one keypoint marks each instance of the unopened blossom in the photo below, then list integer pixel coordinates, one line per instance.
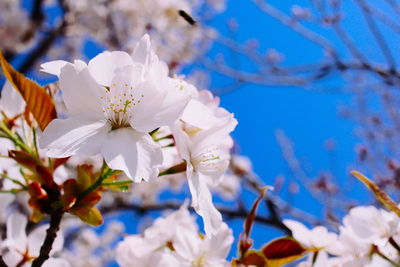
(113, 103)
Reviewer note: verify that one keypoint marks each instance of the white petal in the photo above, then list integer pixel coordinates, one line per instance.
(142, 50)
(54, 262)
(182, 141)
(160, 110)
(299, 231)
(202, 202)
(11, 101)
(217, 135)
(199, 115)
(188, 245)
(132, 152)
(80, 91)
(16, 236)
(53, 67)
(12, 258)
(220, 244)
(74, 136)
(104, 65)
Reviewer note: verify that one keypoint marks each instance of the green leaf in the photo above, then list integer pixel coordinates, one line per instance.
(88, 214)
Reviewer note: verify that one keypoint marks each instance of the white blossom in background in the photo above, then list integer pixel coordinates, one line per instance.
(22, 248)
(121, 99)
(91, 248)
(364, 228)
(120, 24)
(316, 238)
(15, 29)
(174, 240)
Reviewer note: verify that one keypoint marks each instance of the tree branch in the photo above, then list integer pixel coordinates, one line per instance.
(51, 234)
(121, 205)
(2, 263)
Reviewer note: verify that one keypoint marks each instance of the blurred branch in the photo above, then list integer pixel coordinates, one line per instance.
(366, 11)
(2, 263)
(240, 212)
(37, 14)
(42, 47)
(297, 27)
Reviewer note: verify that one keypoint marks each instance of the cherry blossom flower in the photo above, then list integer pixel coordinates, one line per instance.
(113, 103)
(203, 141)
(23, 249)
(174, 241)
(316, 238)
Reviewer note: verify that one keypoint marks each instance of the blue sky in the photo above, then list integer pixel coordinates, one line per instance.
(308, 118)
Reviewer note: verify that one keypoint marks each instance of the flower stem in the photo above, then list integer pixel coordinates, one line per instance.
(13, 137)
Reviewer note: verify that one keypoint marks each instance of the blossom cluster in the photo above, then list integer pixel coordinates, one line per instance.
(120, 24)
(119, 121)
(123, 104)
(368, 236)
(15, 31)
(174, 240)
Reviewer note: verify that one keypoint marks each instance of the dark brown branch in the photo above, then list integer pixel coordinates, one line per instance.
(120, 205)
(37, 13)
(2, 263)
(51, 234)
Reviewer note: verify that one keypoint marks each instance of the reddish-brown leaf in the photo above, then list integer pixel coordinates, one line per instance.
(38, 102)
(282, 251)
(254, 258)
(245, 241)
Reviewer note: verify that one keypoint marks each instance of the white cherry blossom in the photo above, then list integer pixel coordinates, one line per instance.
(113, 103)
(23, 248)
(315, 238)
(204, 144)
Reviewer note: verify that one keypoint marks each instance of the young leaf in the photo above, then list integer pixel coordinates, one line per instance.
(245, 241)
(254, 258)
(282, 251)
(38, 102)
(88, 214)
(384, 198)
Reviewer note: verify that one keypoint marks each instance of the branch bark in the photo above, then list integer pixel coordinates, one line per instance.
(2, 263)
(51, 234)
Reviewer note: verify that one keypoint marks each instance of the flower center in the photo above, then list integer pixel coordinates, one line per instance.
(119, 102)
(211, 160)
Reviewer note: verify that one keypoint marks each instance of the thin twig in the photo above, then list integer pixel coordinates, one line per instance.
(377, 34)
